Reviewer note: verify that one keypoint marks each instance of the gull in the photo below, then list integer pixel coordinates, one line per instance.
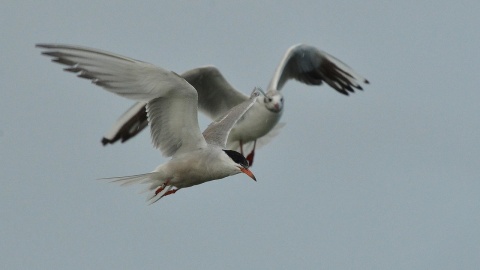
(301, 62)
(171, 106)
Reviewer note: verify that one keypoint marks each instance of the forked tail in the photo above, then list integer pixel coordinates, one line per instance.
(158, 185)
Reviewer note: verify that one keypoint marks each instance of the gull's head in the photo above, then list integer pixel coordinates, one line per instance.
(273, 101)
(240, 163)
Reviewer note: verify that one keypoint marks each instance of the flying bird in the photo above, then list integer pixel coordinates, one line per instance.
(171, 110)
(301, 62)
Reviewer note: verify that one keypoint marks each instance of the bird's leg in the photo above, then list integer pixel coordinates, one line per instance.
(241, 147)
(252, 154)
(162, 187)
(170, 192)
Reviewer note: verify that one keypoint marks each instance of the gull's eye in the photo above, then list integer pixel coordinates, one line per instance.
(267, 100)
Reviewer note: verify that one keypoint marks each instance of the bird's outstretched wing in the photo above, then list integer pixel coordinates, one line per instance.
(171, 101)
(217, 132)
(129, 124)
(215, 97)
(312, 66)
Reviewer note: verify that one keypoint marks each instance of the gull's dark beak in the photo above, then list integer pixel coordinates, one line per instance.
(248, 172)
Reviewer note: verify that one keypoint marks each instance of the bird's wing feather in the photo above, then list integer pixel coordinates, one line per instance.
(171, 101)
(217, 132)
(215, 95)
(312, 66)
(129, 124)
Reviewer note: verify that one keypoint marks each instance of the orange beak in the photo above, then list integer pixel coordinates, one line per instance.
(248, 172)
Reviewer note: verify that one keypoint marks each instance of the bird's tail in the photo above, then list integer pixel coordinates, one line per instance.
(157, 184)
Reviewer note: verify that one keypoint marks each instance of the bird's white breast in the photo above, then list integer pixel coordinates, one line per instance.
(198, 167)
(256, 122)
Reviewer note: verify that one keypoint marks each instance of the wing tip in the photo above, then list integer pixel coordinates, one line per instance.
(105, 141)
(42, 45)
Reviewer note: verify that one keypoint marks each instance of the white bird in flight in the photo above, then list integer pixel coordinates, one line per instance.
(171, 105)
(301, 62)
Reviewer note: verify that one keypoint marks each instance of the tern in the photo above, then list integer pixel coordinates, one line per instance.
(301, 62)
(171, 106)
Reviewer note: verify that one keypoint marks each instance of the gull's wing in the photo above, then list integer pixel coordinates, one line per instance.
(215, 97)
(217, 132)
(128, 125)
(312, 66)
(171, 101)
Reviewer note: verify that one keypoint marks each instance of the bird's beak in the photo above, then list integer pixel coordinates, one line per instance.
(248, 172)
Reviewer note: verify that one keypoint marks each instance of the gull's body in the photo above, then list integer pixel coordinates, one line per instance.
(301, 62)
(256, 128)
(171, 105)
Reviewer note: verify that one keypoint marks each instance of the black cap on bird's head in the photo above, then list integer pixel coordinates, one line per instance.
(237, 158)
(240, 160)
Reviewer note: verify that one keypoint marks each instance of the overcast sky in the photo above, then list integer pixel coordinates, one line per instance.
(387, 178)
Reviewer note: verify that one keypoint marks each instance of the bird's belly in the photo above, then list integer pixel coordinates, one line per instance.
(197, 168)
(255, 124)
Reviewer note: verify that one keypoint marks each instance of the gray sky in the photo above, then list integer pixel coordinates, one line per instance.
(388, 178)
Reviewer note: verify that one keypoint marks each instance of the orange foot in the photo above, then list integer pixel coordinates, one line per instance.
(170, 192)
(250, 157)
(162, 187)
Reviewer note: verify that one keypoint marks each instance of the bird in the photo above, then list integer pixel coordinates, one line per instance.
(301, 62)
(171, 107)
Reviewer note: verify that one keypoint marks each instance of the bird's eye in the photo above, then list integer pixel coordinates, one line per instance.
(281, 99)
(268, 99)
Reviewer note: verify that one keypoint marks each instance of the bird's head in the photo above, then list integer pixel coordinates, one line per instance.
(273, 101)
(241, 163)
